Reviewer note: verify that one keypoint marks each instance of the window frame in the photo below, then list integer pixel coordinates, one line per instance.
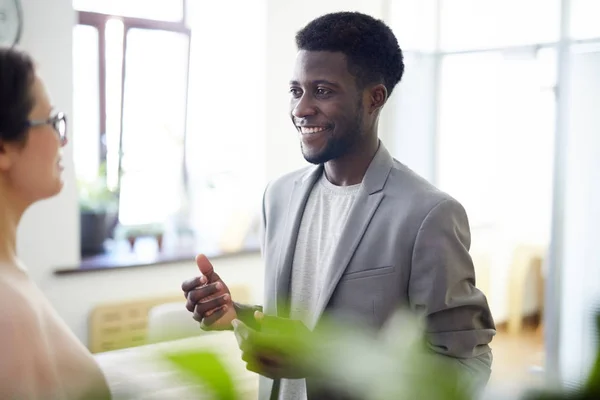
(98, 21)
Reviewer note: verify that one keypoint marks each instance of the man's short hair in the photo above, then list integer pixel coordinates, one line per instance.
(370, 46)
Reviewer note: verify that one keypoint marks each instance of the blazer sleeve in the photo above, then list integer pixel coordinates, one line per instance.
(458, 320)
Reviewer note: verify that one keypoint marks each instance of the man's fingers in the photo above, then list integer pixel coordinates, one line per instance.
(243, 335)
(210, 312)
(253, 362)
(265, 370)
(206, 268)
(202, 294)
(259, 316)
(203, 307)
(247, 357)
(207, 321)
(193, 283)
(255, 367)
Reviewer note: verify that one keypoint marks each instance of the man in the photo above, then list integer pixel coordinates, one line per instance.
(358, 233)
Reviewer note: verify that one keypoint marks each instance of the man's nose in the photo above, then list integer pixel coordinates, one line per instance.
(304, 107)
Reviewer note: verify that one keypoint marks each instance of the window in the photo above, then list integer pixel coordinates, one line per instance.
(225, 145)
(154, 106)
(177, 119)
(480, 24)
(494, 68)
(159, 10)
(86, 101)
(131, 72)
(584, 19)
(496, 132)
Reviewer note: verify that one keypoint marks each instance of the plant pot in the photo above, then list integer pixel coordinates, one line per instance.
(96, 227)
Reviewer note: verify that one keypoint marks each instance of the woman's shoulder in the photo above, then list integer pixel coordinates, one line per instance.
(19, 336)
(17, 308)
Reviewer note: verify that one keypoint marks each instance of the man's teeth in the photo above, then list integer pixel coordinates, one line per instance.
(310, 130)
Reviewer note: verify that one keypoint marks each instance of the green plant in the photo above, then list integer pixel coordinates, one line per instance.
(391, 365)
(206, 369)
(95, 196)
(349, 358)
(593, 383)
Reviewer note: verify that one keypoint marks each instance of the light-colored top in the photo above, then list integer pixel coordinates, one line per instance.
(41, 357)
(324, 217)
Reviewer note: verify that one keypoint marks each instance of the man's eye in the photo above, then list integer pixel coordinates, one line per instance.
(323, 91)
(295, 92)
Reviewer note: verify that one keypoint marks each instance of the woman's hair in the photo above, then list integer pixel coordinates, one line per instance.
(17, 74)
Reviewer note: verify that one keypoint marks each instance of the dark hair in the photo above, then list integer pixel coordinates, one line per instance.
(370, 46)
(17, 74)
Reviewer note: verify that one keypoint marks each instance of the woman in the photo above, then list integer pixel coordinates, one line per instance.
(40, 358)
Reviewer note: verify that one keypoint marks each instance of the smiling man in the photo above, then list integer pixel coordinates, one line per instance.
(358, 233)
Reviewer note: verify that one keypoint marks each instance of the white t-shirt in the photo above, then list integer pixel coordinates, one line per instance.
(324, 218)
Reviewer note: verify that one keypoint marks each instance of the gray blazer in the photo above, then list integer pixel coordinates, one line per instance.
(406, 243)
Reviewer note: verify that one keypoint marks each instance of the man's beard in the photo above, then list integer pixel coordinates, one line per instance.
(337, 147)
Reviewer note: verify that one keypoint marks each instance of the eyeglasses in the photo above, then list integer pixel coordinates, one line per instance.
(58, 122)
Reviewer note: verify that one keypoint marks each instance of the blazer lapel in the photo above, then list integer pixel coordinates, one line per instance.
(287, 247)
(364, 208)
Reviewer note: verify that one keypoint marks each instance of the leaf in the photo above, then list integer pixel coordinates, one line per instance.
(205, 368)
(593, 382)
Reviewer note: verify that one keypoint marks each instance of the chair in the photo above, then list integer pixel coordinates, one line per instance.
(527, 261)
(131, 323)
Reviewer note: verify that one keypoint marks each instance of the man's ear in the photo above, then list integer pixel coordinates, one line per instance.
(377, 97)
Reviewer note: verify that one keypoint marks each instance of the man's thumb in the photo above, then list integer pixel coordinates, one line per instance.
(204, 265)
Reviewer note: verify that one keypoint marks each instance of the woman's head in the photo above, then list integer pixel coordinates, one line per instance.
(31, 132)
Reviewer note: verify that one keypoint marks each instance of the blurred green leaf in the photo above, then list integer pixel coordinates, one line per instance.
(348, 357)
(206, 368)
(593, 383)
(351, 358)
(95, 195)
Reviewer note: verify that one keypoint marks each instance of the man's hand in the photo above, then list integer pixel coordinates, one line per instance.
(208, 298)
(275, 351)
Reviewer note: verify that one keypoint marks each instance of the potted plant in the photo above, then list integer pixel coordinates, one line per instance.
(132, 233)
(98, 209)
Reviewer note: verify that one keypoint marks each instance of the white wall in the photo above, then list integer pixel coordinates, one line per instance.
(50, 230)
